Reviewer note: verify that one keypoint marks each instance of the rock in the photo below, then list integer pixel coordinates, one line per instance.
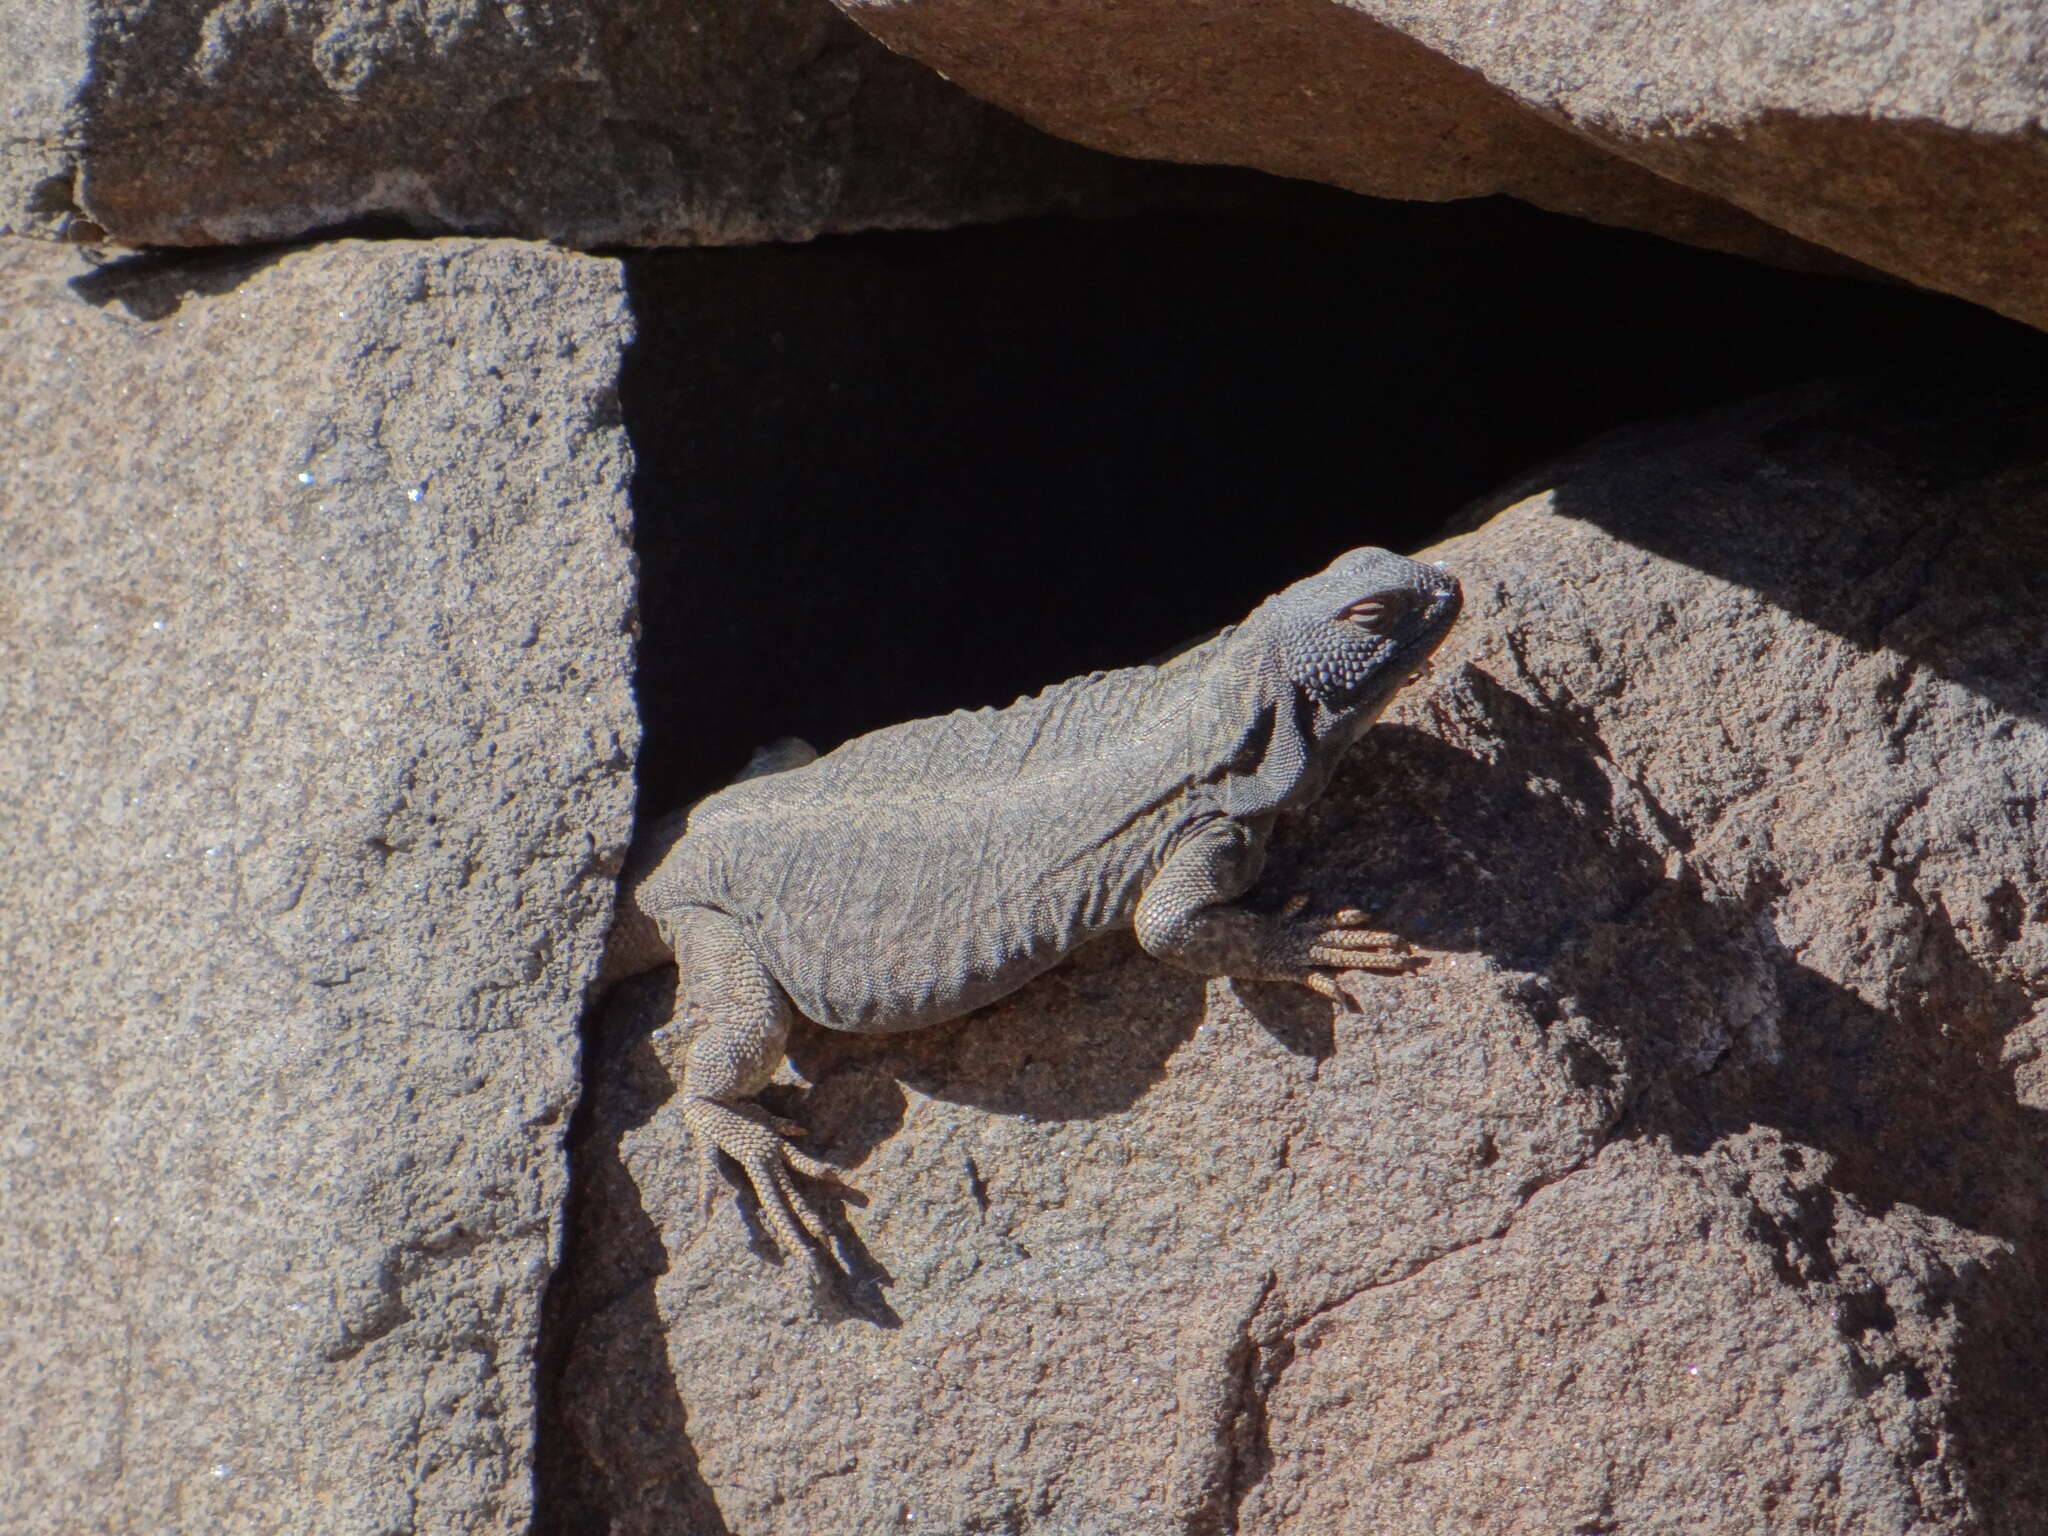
(1623, 1355)
(42, 62)
(316, 745)
(1700, 1175)
(195, 122)
(1906, 138)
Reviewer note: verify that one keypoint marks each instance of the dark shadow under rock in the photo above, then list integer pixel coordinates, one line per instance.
(982, 462)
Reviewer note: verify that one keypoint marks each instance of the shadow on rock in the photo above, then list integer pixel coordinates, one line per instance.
(1903, 515)
(1513, 834)
(1887, 485)
(154, 284)
(608, 1404)
(1086, 1041)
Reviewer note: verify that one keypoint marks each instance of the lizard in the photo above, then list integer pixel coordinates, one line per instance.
(921, 871)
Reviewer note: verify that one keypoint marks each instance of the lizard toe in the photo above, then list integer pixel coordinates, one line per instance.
(784, 1208)
(809, 1166)
(755, 1140)
(1361, 940)
(1344, 960)
(1331, 943)
(806, 1212)
(1362, 959)
(1324, 984)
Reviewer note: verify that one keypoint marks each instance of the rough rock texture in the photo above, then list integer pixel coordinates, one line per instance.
(315, 743)
(1699, 1181)
(42, 62)
(1905, 136)
(193, 122)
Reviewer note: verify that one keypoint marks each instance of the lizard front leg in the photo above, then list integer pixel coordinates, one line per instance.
(739, 1020)
(1188, 918)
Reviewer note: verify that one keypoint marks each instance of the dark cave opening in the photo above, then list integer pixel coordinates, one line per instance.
(889, 475)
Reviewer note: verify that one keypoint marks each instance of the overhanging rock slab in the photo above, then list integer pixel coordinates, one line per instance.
(655, 122)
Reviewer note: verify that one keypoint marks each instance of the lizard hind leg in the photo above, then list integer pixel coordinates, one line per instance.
(740, 1023)
(778, 756)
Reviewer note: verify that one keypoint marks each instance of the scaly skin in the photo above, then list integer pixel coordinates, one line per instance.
(922, 871)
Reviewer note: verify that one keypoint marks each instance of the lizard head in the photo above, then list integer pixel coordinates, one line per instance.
(1349, 636)
(1314, 665)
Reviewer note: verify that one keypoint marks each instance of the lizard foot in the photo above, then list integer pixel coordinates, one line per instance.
(756, 1140)
(1316, 949)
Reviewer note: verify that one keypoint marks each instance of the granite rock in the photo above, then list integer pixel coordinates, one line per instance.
(316, 742)
(1906, 138)
(203, 122)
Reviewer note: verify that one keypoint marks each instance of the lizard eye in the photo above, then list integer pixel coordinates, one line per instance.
(1378, 615)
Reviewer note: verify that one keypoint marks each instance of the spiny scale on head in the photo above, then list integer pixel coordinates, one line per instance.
(1346, 635)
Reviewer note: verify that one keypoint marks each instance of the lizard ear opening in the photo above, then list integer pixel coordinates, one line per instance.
(1378, 614)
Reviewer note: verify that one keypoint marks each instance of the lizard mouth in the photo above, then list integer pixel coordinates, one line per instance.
(1444, 604)
(1446, 601)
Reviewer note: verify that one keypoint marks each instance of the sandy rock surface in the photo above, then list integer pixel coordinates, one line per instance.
(315, 744)
(209, 122)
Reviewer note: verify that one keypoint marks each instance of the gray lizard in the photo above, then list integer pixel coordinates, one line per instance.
(921, 871)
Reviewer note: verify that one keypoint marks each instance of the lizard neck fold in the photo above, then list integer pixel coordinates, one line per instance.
(1277, 757)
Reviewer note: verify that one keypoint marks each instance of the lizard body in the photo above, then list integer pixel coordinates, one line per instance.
(921, 871)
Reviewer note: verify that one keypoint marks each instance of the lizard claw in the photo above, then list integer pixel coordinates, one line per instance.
(754, 1139)
(1325, 983)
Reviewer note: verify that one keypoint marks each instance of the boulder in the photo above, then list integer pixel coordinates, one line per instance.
(316, 744)
(1698, 1179)
(1906, 138)
(199, 122)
